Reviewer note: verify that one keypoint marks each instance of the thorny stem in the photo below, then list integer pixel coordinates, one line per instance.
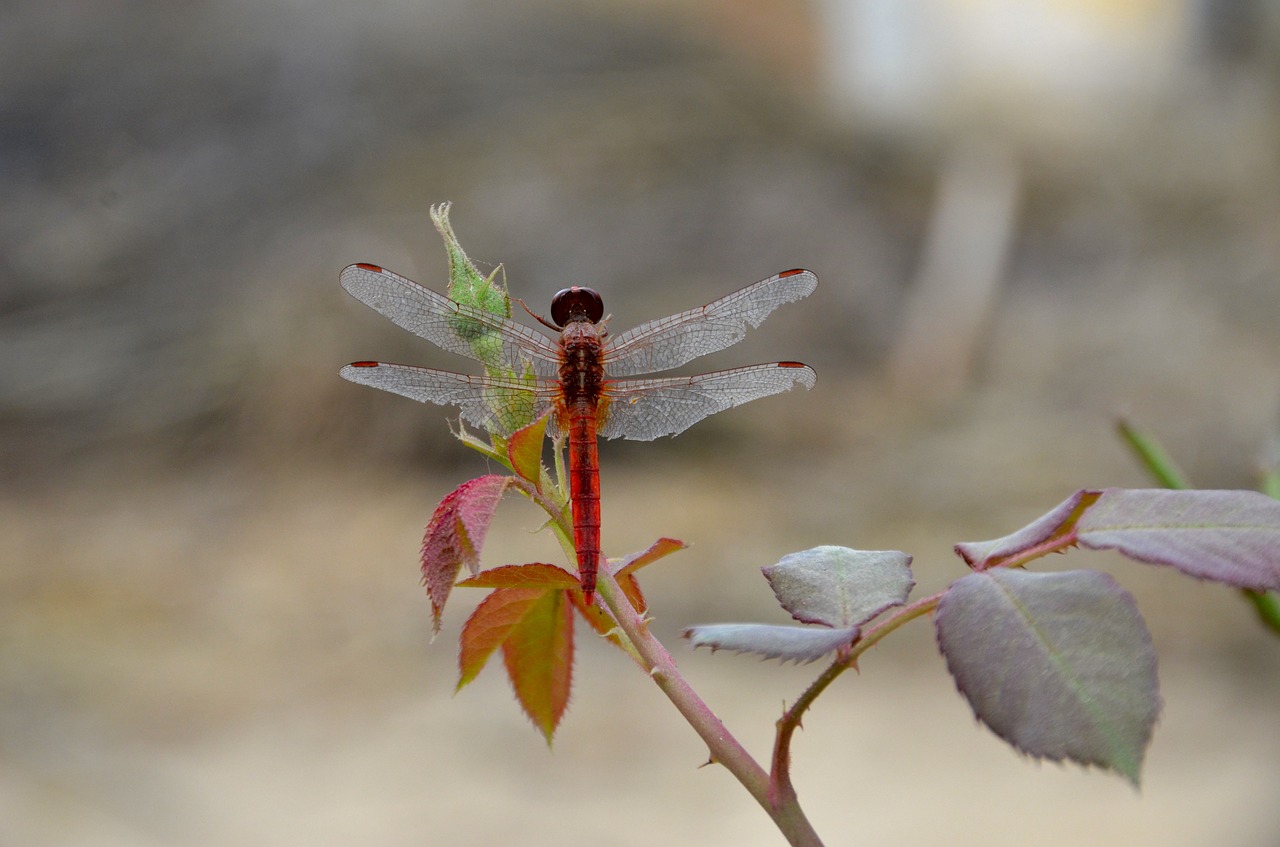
(780, 775)
(557, 452)
(559, 526)
(636, 639)
(725, 749)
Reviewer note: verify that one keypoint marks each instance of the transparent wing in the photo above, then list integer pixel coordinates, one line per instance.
(645, 409)
(488, 338)
(670, 342)
(495, 405)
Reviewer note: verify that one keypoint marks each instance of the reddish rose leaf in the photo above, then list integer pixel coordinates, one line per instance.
(1055, 525)
(1231, 537)
(601, 619)
(532, 575)
(538, 653)
(1060, 665)
(631, 588)
(489, 626)
(656, 550)
(524, 449)
(595, 615)
(455, 535)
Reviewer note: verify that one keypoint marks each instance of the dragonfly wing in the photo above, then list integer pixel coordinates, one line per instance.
(670, 342)
(486, 337)
(495, 405)
(645, 409)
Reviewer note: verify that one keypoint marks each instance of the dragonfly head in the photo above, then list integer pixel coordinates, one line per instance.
(576, 304)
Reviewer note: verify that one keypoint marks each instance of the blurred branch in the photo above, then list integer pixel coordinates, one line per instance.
(974, 220)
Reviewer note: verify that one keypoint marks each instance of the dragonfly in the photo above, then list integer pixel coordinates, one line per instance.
(582, 378)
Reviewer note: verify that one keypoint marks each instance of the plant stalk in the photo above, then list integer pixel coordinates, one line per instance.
(780, 774)
(724, 748)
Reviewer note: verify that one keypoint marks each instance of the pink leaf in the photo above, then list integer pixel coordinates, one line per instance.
(455, 535)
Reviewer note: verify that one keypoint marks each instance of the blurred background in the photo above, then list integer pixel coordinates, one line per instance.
(1027, 219)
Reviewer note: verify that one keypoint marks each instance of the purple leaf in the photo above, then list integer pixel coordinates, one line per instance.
(1060, 665)
(1055, 524)
(1225, 536)
(839, 587)
(788, 643)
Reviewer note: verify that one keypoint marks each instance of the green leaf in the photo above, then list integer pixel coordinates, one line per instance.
(466, 284)
(840, 587)
(1060, 665)
(471, 288)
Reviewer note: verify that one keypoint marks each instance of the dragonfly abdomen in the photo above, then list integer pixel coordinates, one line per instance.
(584, 493)
(581, 384)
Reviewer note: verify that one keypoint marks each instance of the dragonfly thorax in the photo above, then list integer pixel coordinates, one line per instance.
(576, 304)
(581, 364)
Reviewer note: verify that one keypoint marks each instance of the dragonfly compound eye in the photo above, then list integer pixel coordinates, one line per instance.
(576, 303)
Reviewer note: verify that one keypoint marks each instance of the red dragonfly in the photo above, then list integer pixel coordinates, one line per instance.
(576, 376)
